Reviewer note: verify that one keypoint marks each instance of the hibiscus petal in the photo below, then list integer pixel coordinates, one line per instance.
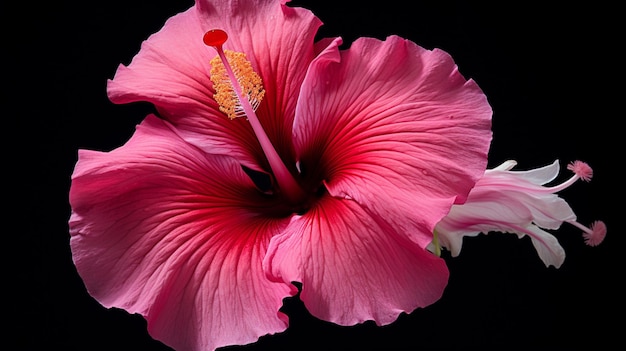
(396, 127)
(539, 176)
(162, 229)
(354, 267)
(473, 218)
(172, 71)
(547, 246)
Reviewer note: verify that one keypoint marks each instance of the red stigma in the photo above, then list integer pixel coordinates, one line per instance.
(215, 37)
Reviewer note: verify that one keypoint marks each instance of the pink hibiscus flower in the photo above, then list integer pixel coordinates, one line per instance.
(518, 202)
(335, 177)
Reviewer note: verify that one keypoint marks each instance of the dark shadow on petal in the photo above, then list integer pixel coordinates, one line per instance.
(262, 180)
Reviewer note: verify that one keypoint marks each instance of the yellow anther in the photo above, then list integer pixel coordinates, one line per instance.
(249, 81)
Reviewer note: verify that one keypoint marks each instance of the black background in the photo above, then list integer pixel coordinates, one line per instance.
(551, 73)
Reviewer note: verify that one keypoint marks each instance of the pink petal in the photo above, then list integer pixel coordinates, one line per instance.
(396, 127)
(162, 229)
(538, 176)
(172, 71)
(505, 216)
(353, 266)
(520, 195)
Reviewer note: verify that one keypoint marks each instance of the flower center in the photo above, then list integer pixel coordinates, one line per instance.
(239, 91)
